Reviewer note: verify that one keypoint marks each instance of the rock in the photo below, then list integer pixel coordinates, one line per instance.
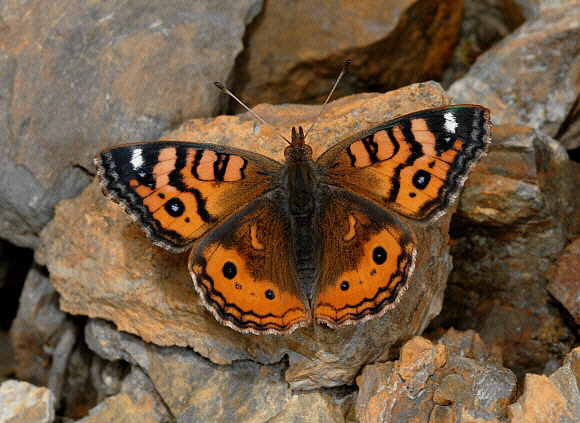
(135, 401)
(468, 344)
(484, 23)
(431, 384)
(532, 77)
(533, 8)
(7, 363)
(195, 389)
(122, 408)
(391, 44)
(27, 205)
(79, 395)
(103, 266)
(80, 78)
(567, 380)
(36, 329)
(564, 279)
(514, 217)
(46, 347)
(138, 385)
(543, 399)
(21, 402)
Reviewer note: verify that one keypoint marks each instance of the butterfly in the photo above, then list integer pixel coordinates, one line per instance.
(277, 246)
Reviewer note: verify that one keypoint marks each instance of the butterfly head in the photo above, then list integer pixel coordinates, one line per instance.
(298, 151)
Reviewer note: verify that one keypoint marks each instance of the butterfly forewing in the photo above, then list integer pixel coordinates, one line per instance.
(177, 191)
(415, 164)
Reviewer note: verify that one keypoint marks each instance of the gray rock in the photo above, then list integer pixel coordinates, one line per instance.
(77, 79)
(36, 330)
(135, 401)
(21, 402)
(532, 76)
(195, 389)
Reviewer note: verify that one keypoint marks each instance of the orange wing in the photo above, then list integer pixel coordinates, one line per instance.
(245, 275)
(415, 164)
(366, 258)
(177, 191)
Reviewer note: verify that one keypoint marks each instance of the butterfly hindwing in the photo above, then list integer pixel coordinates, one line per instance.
(366, 258)
(244, 272)
(415, 164)
(176, 191)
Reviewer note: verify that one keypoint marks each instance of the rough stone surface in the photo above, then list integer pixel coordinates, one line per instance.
(431, 384)
(533, 8)
(195, 389)
(46, 347)
(82, 75)
(532, 77)
(21, 402)
(484, 23)
(468, 344)
(103, 266)
(122, 408)
(514, 217)
(564, 279)
(36, 329)
(138, 385)
(541, 402)
(391, 44)
(567, 380)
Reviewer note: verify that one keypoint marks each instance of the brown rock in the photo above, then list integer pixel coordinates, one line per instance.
(564, 279)
(430, 384)
(103, 266)
(418, 361)
(540, 402)
(532, 77)
(391, 44)
(515, 216)
(469, 344)
(78, 78)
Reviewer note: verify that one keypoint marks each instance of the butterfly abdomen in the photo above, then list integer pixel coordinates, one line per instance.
(304, 243)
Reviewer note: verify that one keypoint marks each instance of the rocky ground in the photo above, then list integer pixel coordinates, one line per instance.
(99, 325)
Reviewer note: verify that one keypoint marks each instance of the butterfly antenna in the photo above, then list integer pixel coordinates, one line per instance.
(228, 92)
(342, 72)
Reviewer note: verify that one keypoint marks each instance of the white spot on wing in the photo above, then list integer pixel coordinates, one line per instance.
(137, 158)
(450, 122)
